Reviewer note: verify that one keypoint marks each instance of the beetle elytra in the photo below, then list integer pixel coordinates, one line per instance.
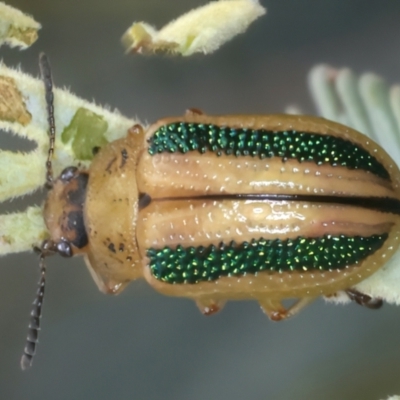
(217, 208)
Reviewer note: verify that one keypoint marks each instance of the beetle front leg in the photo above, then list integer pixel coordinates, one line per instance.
(277, 312)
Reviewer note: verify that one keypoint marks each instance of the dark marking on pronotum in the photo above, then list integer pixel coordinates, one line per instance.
(111, 247)
(109, 165)
(77, 225)
(78, 196)
(124, 155)
(121, 247)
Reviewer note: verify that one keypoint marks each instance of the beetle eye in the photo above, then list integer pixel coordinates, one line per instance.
(64, 249)
(68, 173)
(47, 248)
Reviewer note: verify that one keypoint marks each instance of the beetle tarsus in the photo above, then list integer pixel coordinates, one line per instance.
(277, 312)
(373, 303)
(136, 129)
(273, 309)
(209, 307)
(193, 111)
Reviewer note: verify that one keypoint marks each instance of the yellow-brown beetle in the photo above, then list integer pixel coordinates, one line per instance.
(218, 208)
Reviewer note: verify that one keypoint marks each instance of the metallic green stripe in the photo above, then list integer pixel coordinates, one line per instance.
(197, 264)
(320, 149)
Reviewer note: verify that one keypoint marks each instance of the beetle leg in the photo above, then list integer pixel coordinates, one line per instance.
(209, 306)
(193, 111)
(273, 308)
(299, 305)
(362, 299)
(135, 130)
(104, 285)
(277, 312)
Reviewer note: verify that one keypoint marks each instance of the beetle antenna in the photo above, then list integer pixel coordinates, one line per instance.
(45, 72)
(34, 323)
(47, 246)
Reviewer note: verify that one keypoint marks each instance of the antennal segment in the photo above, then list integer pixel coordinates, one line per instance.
(34, 323)
(45, 72)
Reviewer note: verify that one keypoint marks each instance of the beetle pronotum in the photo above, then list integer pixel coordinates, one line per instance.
(218, 208)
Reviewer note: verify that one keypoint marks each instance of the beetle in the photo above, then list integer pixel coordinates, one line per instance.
(217, 208)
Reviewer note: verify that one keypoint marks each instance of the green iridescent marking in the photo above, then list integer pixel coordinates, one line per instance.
(303, 146)
(197, 264)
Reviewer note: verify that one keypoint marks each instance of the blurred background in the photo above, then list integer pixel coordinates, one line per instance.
(140, 344)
